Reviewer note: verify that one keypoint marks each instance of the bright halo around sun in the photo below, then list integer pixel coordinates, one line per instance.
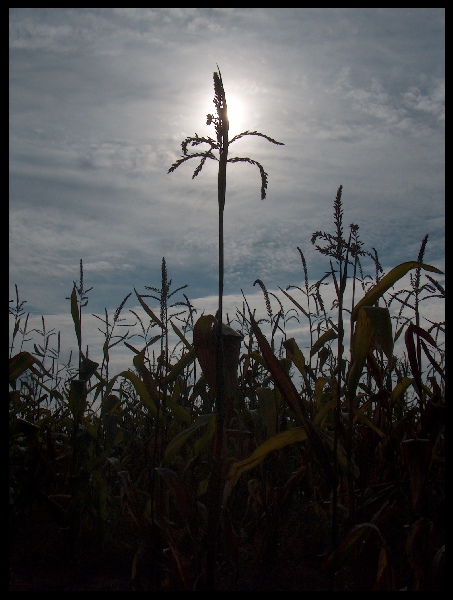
(235, 114)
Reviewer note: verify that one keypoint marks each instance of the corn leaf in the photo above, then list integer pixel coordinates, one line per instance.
(377, 291)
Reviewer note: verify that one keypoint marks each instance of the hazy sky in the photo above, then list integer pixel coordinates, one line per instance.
(100, 100)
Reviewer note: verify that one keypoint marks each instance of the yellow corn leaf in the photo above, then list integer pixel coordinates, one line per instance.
(290, 436)
(377, 291)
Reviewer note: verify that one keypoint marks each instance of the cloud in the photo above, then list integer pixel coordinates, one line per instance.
(101, 99)
(432, 102)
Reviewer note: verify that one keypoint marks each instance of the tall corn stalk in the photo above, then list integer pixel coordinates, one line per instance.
(221, 144)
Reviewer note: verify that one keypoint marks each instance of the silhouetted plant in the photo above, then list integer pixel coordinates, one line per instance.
(361, 393)
(79, 300)
(18, 312)
(110, 341)
(221, 144)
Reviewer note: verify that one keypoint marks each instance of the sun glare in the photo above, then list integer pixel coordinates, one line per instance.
(235, 114)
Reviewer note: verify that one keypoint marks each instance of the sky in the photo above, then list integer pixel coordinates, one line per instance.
(100, 100)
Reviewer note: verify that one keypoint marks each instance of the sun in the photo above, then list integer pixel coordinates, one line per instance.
(236, 111)
(235, 114)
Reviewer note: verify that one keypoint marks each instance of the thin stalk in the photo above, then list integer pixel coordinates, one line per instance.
(221, 144)
(215, 481)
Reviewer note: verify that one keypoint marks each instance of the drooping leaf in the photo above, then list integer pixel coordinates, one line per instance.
(359, 414)
(319, 388)
(302, 310)
(328, 335)
(290, 436)
(19, 363)
(185, 360)
(411, 332)
(181, 336)
(432, 360)
(372, 322)
(141, 390)
(378, 290)
(400, 388)
(148, 311)
(288, 390)
(323, 412)
(296, 355)
(181, 438)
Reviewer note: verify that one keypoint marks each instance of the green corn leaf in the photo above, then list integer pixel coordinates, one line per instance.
(187, 359)
(141, 390)
(181, 438)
